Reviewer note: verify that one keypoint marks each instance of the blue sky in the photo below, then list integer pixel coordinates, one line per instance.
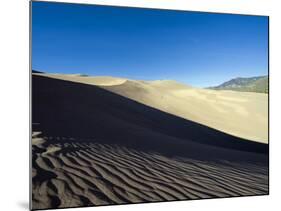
(200, 49)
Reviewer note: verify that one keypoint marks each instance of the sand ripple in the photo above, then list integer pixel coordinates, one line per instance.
(88, 173)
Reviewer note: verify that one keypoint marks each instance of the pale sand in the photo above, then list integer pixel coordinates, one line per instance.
(242, 114)
(92, 147)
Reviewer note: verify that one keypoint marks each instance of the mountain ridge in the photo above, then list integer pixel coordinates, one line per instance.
(245, 84)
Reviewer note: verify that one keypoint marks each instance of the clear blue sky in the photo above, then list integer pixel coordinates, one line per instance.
(200, 49)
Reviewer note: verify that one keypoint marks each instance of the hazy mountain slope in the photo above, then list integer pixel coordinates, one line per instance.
(252, 84)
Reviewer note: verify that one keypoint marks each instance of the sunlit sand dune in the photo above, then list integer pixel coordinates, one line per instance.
(242, 114)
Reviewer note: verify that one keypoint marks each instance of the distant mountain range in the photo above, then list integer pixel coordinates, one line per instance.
(252, 84)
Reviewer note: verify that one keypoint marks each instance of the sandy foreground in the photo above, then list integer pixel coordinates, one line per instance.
(103, 140)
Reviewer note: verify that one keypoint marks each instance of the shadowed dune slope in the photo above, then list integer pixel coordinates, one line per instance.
(91, 147)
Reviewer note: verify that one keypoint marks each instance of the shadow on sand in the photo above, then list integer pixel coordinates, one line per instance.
(83, 112)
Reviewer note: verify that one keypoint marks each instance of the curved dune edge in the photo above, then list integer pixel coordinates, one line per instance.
(240, 114)
(97, 80)
(82, 173)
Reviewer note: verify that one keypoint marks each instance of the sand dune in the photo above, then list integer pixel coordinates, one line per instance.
(87, 173)
(238, 113)
(93, 146)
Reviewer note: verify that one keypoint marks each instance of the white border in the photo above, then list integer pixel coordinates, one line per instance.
(14, 110)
